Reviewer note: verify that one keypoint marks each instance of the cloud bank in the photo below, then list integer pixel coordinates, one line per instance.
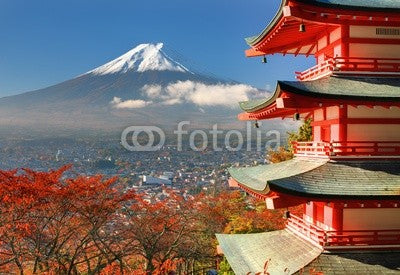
(129, 104)
(197, 93)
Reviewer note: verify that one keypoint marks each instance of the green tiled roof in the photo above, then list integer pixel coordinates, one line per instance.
(256, 103)
(365, 88)
(284, 250)
(257, 178)
(353, 88)
(357, 4)
(373, 5)
(330, 179)
(355, 263)
(249, 252)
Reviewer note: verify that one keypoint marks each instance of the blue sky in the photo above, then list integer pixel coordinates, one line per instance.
(46, 42)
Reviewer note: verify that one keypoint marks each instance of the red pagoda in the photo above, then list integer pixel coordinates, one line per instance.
(348, 177)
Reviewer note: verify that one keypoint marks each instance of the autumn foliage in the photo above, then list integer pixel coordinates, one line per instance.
(304, 133)
(58, 226)
(50, 224)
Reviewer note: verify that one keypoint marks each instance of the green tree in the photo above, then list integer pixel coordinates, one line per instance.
(303, 134)
(285, 153)
(225, 268)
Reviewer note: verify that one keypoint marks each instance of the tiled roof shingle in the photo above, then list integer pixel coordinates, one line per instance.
(284, 250)
(355, 263)
(350, 88)
(315, 177)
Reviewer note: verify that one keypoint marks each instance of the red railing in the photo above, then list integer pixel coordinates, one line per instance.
(347, 149)
(344, 238)
(321, 149)
(362, 237)
(317, 71)
(367, 64)
(348, 65)
(308, 230)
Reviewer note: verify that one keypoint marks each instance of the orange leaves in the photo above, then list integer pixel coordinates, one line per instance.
(50, 224)
(232, 213)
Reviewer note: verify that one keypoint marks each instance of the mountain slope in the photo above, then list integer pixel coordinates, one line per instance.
(142, 86)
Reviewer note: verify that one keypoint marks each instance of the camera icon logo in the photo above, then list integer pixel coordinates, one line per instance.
(149, 133)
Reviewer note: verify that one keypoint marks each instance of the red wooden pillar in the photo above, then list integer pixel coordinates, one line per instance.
(345, 35)
(343, 122)
(337, 217)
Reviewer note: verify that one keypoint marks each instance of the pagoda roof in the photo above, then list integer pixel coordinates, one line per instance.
(283, 250)
(258, 177)
(281, 35)
(333, 87)
(355, 263)
(321, 178)
(287, 253)
(356, 4)
(253, 40)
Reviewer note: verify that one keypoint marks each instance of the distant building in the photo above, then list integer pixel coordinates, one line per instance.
(149, 180)
(168, 175)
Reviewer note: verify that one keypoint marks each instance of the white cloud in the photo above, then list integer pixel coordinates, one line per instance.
(129, 104)
(172, 101)
(197, 93)
(200, 94)
(211, 95)
(152, 91)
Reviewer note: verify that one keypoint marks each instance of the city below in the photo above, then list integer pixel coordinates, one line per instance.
(185, 171)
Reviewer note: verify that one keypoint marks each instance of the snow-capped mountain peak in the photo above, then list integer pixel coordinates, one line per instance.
(144, 57)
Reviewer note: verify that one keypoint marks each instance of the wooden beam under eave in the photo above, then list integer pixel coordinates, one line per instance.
(309, 115)
(298, 102)
(296, 53)
(253, 53)
(233, 183)
(325, 17)
(245, 116)
(287, 47)
(310, 50)
(282, 201)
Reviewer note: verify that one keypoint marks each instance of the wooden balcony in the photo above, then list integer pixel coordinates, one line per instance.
(351, 65)
(345, 239)
(351, 149)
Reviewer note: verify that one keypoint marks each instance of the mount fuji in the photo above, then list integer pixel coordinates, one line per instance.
(145, 57)
(144, 86)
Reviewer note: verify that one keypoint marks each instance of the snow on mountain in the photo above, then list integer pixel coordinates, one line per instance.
(144, 86)
(144, 57)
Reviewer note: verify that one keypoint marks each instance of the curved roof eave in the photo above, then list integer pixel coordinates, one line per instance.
(257, 104)
(257, 178)
(322, 178)
(253, 40)
(360, 5)
(380, 89)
